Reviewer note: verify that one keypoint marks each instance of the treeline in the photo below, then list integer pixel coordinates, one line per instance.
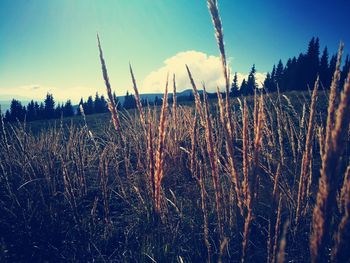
(50, 110)
(299, 73)
(38, 111)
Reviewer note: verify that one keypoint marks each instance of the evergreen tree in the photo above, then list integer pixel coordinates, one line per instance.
(89, 106)
(273, 86)
(41, 111)
(100, 104)
(126, 100)
(234, 87)
(7, 116)
(37, 110)
(302, 72)
(312, 62)
(289, 77)
(344, 72)
(273, 73)
(97, 103)
(279, 75)
(331, 69)
(129, 101)
(104, 105)
(286, 75)
(58, 111)
(49, 110)
(268, 83)
(324, 67)
(31, 111)
(67, 109)
(244, 88)
(251, 84)
(17, 111)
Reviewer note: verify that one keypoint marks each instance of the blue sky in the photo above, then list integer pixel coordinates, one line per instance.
(51, 45)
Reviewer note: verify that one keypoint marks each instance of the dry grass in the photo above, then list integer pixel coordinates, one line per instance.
(336, 128)
(193, 190)
(111, 103)
(215, 182)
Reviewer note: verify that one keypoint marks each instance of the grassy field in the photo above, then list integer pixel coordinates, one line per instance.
(74, 190)
(264, 178)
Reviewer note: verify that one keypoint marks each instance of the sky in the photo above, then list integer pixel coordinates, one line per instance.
(50, 46)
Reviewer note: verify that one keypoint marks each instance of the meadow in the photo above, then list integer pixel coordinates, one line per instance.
(263, 178)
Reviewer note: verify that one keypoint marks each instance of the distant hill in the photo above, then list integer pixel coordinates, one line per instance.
(152, 96)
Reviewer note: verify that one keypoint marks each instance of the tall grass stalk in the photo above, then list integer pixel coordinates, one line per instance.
(111, 103)
(305, 172)
(137, 98)
(159, 162)
(326, 196)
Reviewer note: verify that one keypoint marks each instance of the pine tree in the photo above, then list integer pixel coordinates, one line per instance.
(7, 116)
(287, 72)
(58, 111)
(324, 67)
(273, 86)
(312, 61)
(331, 69)
(344, 72)
(97, 105)
(268, 83)
(126, 100)
(279, 74)
(89, 106)
(289, 75)
(129, 101)
(301, 72)
(244, 88)
(37, 110)
(49, 110)
(234, 87)
(100, 104)
(17, 111)
(67, 109)
(251, 84)
(104, 106)
(31, 113)
(41, 112)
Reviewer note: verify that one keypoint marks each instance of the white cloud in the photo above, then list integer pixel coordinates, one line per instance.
(204, 68)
